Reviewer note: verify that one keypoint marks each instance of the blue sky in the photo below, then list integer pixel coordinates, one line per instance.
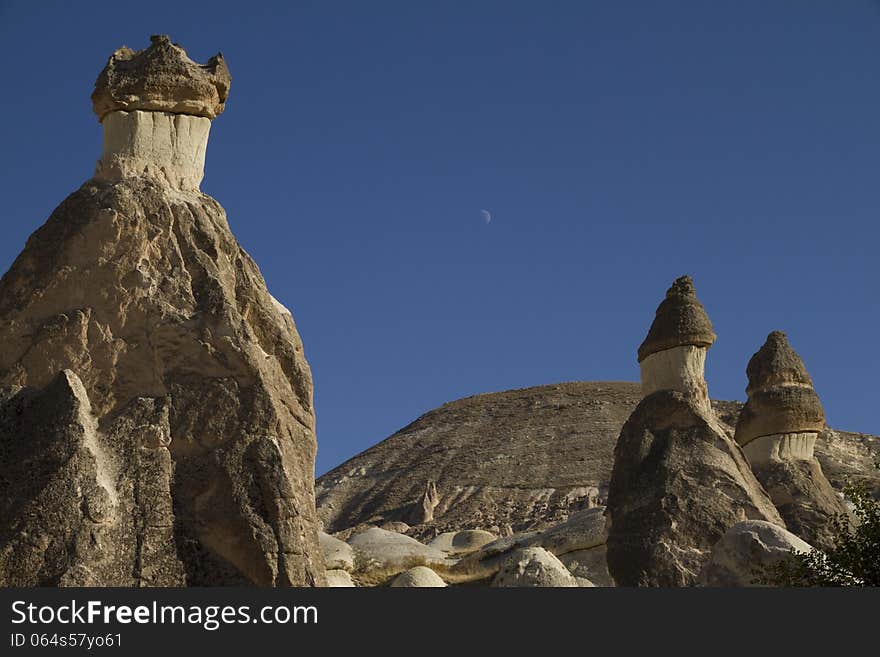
(616, 144)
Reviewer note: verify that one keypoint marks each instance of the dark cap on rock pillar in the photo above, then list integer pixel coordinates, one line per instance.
(680, 320)
(161, 78)
(781, 395)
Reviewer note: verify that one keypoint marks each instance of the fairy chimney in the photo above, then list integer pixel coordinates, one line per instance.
(156, 107)
(673, 355)
(783, 415)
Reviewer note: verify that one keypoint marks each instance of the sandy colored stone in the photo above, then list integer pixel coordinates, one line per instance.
(680, 320)
(161, 78)
(462, 542)
(679, 482)
(781, 395)
(746, 547)
(338, 555)
(418, 577)
(679, 368)
(805, 499)
(591, 564)
(338, 579)
(533, 567)
(521, 460)
(169, 148)
(380, 555)
(200, 425)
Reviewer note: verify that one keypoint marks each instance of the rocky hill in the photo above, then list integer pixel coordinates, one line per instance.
(518, 460)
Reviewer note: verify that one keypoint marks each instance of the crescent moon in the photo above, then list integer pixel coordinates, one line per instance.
(487, 216)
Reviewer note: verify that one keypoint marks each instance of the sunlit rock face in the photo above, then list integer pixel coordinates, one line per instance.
(781, 446)
(156, 406)
(680, 368)
(673, 355)
(167, 147)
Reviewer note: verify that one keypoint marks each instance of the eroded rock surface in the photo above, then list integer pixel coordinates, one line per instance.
(179, 444)
(746, 548)
(679, 482)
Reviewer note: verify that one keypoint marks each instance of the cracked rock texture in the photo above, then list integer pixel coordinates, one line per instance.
(161, 78)
(679, 482)
(156, 418)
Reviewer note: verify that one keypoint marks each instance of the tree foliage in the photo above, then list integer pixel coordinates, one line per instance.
(853, 559)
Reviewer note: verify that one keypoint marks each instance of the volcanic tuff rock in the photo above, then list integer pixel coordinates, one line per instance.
(679, 481)
(778, 429)
(524, 458)
(161, 78)
(157, 421)
(673, 354)
(744, 549)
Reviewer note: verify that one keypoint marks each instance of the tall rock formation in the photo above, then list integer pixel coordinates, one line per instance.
(679, 481)
(673, 354)
(777, 429)
(156, 415)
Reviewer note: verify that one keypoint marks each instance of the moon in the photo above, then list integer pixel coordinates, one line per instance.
(487, 216)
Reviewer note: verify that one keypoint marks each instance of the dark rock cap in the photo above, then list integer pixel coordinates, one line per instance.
(680, 320)
(161, 78)
(781, 394)
(776, 363)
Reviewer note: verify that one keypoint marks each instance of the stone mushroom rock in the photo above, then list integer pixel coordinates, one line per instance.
(196, 455)
(679, 482)
(380, 555)
(744, 549)
(673, 354)
(156, 107)
(418, 577)
(462, 542)
(533, 567)
(161, 78)
(777, 430)
(338, 555)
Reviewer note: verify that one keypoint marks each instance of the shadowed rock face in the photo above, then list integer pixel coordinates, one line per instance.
(679, 482)
(192, 447)
(524, 458)
(778, 428)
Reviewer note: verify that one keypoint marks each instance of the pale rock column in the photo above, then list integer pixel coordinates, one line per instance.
(673, 355)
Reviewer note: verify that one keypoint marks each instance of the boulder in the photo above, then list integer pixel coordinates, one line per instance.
(418, 577)
(338, 555)
(533, 567)
(583, 530)
(744, 549)
(679, 482)
(338, 579)
(462, 542)
(380, 554)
